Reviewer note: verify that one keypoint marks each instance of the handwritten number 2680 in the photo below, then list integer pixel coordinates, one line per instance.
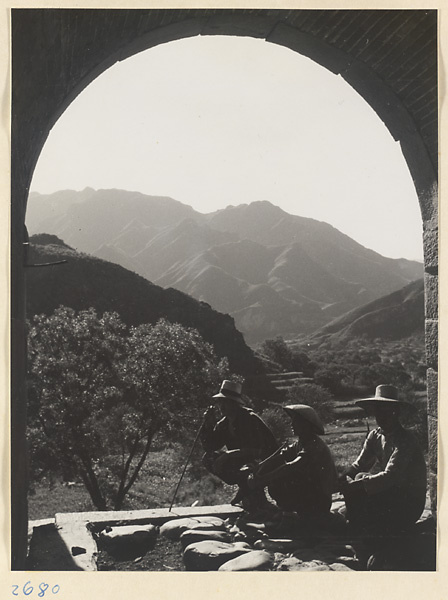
(28, 589)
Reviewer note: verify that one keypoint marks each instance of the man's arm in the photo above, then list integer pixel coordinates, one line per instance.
(260, 438)
(213, 433)
(395, 472)
(364, 462)
(278, 469)
(367, 456)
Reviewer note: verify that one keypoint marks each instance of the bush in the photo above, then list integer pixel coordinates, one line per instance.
(277, 351)
(278, 422)
(315, 396)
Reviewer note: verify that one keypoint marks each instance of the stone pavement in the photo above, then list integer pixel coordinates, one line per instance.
(226, 538)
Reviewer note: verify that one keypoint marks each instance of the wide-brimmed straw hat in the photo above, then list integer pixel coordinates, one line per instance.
(230, 390)
(303, 411)
(385, 395)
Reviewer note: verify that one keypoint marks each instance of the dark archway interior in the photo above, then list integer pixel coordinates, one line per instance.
(388, 56)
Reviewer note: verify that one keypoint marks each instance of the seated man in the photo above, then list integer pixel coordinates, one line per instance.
(301, 476)
(394, 498)
(238, 439)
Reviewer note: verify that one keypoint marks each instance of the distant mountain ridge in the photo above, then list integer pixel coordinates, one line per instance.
(392, 317)
(274, 273)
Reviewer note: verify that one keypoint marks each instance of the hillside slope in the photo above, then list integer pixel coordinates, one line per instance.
(395, 316)
(86, 281)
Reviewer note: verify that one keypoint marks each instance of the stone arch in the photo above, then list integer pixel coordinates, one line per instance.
(389, 57)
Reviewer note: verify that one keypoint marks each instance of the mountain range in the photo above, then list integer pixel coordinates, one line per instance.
(274, 273)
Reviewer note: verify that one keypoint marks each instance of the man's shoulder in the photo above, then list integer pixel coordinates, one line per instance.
(249, 413)
(317, 444)
(407, 436)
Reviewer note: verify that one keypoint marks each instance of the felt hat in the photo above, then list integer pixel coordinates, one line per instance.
(385, 395)
(230, 390)
(303, 411)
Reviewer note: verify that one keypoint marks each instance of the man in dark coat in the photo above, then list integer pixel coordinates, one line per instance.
(240, 438)
(301, 476)
(392, 499)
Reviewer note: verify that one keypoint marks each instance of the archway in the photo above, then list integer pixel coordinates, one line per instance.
(389, 57)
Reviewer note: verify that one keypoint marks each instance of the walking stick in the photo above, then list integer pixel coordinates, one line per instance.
(186, 463)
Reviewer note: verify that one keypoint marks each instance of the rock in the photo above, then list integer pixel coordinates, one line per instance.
(336, 506)
(294, 564)
(191, 536)
(257, 560)
(209, 556)
(336, 548)
(311, 554)
(257, 526)
(174, 528)
(339, 567)
(283, 545)
(279, 557)
(289, 564)
(313, 565)
(128, 534)
(349, 561)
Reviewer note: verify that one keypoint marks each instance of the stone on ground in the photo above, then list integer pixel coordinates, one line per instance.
(278, 545)
(209, 556)
(191, 536)
(257, 560)
(174, 528)
(349, 561)
(294, 564)
(339, 567)
(125, 535)
(128, 537)
(291, 563)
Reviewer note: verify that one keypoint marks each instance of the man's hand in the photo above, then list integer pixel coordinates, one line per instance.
(351, 486)
(253, 482)
(209, 417)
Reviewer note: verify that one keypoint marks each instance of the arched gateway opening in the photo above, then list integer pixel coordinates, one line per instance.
(389, 57)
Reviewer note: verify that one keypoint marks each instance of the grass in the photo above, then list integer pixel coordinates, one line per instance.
(160, 475)
(48, 498)
(345, 447)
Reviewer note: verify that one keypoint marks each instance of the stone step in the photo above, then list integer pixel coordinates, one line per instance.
(289, 375)
(291, 382)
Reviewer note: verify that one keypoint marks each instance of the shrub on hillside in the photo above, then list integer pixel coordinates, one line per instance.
(277, 351)
(278, 422)
(313, 395)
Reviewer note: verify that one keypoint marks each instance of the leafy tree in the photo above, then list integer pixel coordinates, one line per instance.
(371, 375)
(313, 395)
(278, 422)
(101, 393)
(277, 351)
(332, 378)
(289, 359)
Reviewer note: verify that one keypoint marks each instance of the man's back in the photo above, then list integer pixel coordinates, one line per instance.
(245, 430)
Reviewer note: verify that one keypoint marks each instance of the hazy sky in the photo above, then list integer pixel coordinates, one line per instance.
(213, 121)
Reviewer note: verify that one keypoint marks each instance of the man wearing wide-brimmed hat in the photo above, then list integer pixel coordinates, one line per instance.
(241, 437)
(301, 476)
(393, 498)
